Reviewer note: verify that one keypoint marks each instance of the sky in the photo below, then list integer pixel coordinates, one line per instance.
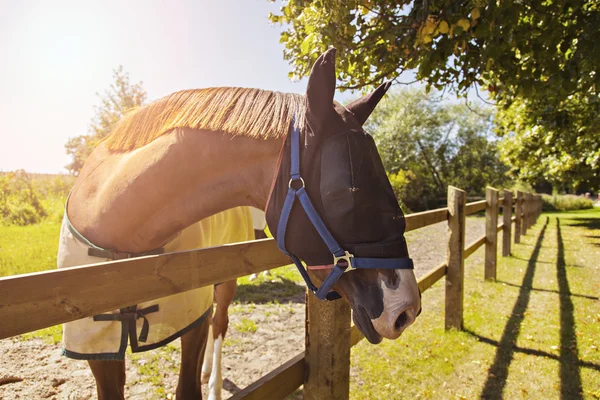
(56, 56)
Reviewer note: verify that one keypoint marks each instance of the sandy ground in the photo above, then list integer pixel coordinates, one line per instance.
(34, 369)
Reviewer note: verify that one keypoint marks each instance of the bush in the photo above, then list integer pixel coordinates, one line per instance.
(27, 199)
(401, 183)
(565, 202)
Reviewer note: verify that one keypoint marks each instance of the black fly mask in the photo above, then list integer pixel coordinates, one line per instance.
(332, 202)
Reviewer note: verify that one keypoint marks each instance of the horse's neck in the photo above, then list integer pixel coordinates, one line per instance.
(137, 201)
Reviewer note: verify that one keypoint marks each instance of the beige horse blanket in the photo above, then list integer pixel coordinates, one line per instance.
(151, 324)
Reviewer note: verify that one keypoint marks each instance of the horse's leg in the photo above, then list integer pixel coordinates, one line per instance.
(224, 294)
(208, 354)
(110, 378)
(192, 352)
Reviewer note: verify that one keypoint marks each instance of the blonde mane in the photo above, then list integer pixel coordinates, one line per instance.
(254, 113)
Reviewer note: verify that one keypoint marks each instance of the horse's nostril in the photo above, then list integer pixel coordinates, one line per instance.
(401, 321)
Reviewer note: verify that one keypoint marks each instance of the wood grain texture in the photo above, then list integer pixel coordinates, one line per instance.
(455, 260)
(518, 216)
(472, 208)
(491, 232)
(506, 218)
(327, 349)
(425, 218)
(34, 301)
(277, 384)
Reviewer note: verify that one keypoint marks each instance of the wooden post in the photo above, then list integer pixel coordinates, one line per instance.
(327, 369)
(456, 263)
(507, 220)
(518, 216)
(524, 220)
(491, 232)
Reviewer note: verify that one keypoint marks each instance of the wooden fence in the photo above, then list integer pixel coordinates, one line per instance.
(33, 301)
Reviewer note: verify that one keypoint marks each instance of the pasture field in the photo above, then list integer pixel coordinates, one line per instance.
(532, 334)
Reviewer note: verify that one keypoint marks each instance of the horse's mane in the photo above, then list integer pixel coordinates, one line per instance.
(255, 113)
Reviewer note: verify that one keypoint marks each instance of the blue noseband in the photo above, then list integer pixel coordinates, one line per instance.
(343, 261)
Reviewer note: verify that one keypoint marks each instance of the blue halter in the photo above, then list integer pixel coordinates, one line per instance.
(343, 261)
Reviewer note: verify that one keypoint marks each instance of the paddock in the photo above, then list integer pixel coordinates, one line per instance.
(330, 338)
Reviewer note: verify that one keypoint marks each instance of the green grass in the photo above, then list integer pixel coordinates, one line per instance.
(33, 248)
(246, 326)
(532, 334)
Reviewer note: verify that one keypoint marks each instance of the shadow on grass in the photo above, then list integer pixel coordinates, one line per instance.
(265, 292)
(498, 372)
(531, 352)
(570, 375)
(584, 296)
(589, 223)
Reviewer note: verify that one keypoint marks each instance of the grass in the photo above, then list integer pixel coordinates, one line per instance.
(532, 334)
(33, 248)
(246, 326)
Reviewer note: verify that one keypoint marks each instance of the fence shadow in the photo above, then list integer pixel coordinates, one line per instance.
(498, 372)
(583, 296)
(266, 292)
(570, 375)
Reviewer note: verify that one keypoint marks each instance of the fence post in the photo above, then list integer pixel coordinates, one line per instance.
(507, 219)
(491, 232)
(524, 209)
(327, 344)
(518, 219)
(529, 209)
(456, 263)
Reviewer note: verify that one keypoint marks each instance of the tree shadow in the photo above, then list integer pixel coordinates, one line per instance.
(589, 223)
(570, 374)
(498, 372)
(265, 292)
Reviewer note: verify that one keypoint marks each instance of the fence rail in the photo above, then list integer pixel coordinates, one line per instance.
(33, 301)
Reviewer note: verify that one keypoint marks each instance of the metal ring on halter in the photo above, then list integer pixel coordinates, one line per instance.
(346, 257)
(292, 180)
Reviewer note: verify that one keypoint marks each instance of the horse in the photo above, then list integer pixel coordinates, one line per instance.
(219, 323)
(304, 159)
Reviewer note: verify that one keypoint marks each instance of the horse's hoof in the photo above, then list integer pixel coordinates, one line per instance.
(205, 378)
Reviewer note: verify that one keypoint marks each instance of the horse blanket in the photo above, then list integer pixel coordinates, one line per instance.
(150, 324)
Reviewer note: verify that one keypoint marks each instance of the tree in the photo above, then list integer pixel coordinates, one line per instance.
(427, 144)
(538, 60)
(118, 100)
(559, 145)
(524, 49)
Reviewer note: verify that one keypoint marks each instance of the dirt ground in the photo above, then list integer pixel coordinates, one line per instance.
(260, 338)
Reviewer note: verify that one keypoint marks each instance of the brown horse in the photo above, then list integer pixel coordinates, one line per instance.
(196, 153)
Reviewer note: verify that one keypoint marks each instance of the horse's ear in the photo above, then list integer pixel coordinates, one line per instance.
(320, 90)
(364, 106)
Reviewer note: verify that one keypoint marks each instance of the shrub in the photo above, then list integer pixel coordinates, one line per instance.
(565, 202)
(401, 184)
(27, 199)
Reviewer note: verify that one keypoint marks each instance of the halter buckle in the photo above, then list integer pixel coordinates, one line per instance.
(346, 257)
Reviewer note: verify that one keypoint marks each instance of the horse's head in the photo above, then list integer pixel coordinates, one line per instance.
(343, 176)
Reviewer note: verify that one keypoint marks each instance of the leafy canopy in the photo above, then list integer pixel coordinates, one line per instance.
(118, 100)
(527, 48)
(537, 59)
